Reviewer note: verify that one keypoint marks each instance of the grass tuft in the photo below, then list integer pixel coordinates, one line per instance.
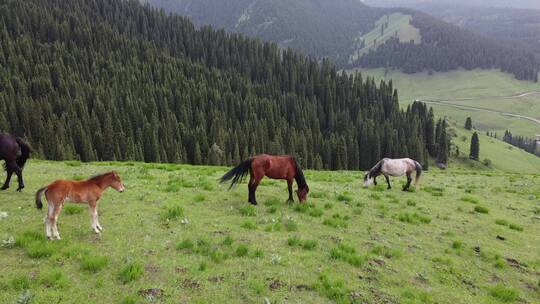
(504, 294)
(248, 210)
(501, 222)
(516, 227)
(413, 218)
(20, 282)
(481, 209)
(93, 263)
(54, 279)
(172, 212)
(130, 272)
(242, 251)
(347, 254)
(334, 290)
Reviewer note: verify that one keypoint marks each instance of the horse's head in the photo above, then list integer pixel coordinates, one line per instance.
(302, 193)
(116, 182)
(368, 180)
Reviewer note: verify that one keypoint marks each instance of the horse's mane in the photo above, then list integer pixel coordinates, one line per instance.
(376, 168)
(99, 176)
(300, 178)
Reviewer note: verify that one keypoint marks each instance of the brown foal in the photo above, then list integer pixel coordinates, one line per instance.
(88, 191)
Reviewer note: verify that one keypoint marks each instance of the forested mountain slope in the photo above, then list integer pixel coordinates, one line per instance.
(341, 29)
(113, 80)
(508, 25)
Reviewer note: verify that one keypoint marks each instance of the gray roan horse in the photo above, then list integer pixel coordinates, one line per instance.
(394, 167)
(15, 152)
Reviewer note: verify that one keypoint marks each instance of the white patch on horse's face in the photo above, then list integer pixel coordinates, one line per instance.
(368, 181)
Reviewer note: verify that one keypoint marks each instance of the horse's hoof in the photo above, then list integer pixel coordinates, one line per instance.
(4, 188)
(253, 203)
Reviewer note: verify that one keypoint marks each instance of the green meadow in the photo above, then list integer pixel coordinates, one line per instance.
(476, 88)
(177, 236)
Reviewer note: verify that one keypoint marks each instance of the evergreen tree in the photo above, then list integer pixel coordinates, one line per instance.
(475, 147)
(468, 124)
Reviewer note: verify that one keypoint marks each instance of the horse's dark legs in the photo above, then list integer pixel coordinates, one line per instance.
(409, 180)
(375, 180)
(8, 179)
(252, 199)
(252, 187)
(10, 168)
(289, 184)
(18, 171)
(388, 181)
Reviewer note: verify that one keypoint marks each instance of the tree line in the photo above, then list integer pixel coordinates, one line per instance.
(528, 144)
(115, 80)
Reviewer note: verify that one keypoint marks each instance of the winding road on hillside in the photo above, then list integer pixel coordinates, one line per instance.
(448, 103)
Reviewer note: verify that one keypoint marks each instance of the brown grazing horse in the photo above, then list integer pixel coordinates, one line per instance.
(276, 167)
(88, 191)
(15, 152)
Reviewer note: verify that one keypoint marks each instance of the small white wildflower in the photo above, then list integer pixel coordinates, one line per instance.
(8, 243)
(276, 259)
(3, 215)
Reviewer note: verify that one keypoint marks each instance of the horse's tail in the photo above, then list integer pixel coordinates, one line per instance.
(25, 152)
(39, 193)
(237, 173)
(419, 169)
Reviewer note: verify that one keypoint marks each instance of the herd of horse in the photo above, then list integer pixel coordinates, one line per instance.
(15, 152)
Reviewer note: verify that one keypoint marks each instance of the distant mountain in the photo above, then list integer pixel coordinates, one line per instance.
(523, 4)
(318, 27)
(508, 25)
(353, 34)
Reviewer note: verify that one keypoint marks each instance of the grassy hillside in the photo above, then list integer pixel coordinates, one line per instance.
(477, 88)
(176, 236)
(503, 157)
(395, 25)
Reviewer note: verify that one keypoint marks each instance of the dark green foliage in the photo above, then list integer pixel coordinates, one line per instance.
(153, 87)
(475, 147)
(468, 124)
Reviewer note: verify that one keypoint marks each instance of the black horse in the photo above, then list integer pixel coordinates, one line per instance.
(15, 152)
